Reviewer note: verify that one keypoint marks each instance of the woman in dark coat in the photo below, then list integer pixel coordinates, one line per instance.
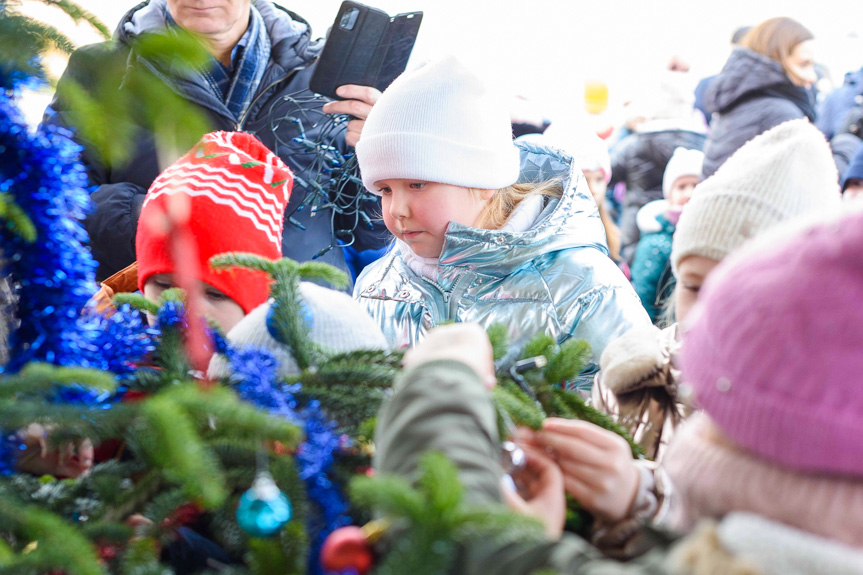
(764, 83)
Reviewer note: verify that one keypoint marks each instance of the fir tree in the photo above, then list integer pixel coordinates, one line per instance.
(186, 452)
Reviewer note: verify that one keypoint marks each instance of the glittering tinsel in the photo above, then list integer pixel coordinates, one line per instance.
(255, 380)
(172, 315)
(10, 445)
(120, 341)
(55, 275)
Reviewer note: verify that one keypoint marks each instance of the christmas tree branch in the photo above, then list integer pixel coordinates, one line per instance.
(38, 377)
(174, 445)
(58, 544)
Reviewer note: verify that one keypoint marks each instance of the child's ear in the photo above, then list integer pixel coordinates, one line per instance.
(486, 194)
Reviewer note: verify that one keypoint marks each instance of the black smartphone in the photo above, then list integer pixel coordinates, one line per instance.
(367, 47)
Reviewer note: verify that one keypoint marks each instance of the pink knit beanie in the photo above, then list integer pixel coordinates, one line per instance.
(775, 354)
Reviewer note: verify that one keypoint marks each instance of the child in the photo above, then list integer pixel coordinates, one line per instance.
(786, 172)
(651, 268)
(772, 472)
(590, 153)
(476, 240)
(235, 192)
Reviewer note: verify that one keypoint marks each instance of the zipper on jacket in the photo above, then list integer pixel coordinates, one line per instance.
(457, 292)
(448, 299)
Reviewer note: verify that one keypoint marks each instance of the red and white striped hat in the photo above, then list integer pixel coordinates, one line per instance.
(238, 191)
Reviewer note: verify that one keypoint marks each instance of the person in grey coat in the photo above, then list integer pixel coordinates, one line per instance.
(763, 84)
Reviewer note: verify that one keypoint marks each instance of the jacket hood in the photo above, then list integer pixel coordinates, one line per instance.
(289, 34)
(646, 217)
(568, 222)
(854, 78)
(745, 73)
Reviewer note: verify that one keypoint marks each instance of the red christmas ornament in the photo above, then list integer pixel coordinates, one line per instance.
(347, 547)
(108, 552)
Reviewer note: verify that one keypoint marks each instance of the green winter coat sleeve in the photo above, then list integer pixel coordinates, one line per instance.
(443, 406)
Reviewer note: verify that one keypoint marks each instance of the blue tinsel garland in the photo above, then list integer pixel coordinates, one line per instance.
(10, 445)
(254, 377)
(54, 276)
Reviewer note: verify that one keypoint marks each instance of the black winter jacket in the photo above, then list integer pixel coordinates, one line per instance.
(639, 161)
(751, 95)
(120, 188)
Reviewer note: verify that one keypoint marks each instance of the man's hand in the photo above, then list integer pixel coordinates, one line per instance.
(463, 342)
(358, 103)
(597, 465)
(542, 496)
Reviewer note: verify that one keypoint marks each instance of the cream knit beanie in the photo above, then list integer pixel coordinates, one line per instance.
(339, 325)
(439, 123)
(784, 172)
(683, 162)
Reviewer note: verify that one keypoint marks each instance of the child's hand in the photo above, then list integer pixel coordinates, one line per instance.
(542, 485)
(71, 459)
(463, 342)
(358, 103)
(597, 465)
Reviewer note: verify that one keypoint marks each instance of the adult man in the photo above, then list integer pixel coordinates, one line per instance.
(262, 59)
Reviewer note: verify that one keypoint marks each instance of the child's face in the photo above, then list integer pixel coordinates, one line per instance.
(418, 212)
(682, 190)
(596, 182)
(691, 273)
(214, 304)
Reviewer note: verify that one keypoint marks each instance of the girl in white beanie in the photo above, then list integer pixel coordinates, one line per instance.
(486, 231)
(657, 220)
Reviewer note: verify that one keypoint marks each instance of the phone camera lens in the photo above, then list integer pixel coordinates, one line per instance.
(349, 19)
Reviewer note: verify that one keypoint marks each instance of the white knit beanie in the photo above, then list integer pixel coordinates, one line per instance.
(683, 162)
(439, 123)
(339, 324)
(784, 172)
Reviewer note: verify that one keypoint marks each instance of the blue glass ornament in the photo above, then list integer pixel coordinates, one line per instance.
(263, 509)
(308, 319)
(255, 381)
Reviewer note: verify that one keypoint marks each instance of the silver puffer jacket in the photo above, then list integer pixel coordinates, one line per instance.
(555, 277)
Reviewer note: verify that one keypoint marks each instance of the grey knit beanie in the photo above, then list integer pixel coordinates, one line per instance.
(339, 325)
(784, 172)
